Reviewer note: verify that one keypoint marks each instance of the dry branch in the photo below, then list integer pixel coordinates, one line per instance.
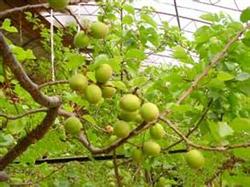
(29, 139)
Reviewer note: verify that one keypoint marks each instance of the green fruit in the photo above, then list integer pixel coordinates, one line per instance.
(78, 82)
(149, 112)
(137, 155)
(195, 159)
(151, 148)
(103, 73)
(128, 116)
(81, 40)
(130, 102)
(108, 90)
(157, 131)
(99, 29)
(162, 182)
(2, 95)
(138, 118)
(58, 4)
(73, 125)
(121, 129)
(112, 184)
(112, 139)
(93, 94)
(110, 164)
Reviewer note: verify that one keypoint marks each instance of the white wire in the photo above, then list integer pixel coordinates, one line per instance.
(78, 15)
(52, 45)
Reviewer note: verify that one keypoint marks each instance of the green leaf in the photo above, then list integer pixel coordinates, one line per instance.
(139, 81)
(180, 54)
(238, 180)
(148, 19)
(128, 8)
(6, 25)
(74, 60)
(210, 17)
(244, 87)
(127, 19)
(245, 15)
(224, 76)
(242, 76)
(216, 84)
(225, 129)
(90, 119)
(203, 34)
(6, 140)
(17, 126)
(242, 153)
(214, 130)
(246, 39)
(120, 85)
(240, 124)
(22, 54)
(91, 76)
(100, 59)
(135, 53)
(115, 63)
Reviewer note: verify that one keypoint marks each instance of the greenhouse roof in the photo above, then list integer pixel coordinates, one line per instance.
(182, 13)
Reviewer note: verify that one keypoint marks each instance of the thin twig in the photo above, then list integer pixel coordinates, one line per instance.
(76, 19)
(30, 138)
(22, 8)
(193, 129)
(191, 144)
(116, 169)
(227, 165)
(24, 80)
(53, 83)
(24, 114)
(215, 60)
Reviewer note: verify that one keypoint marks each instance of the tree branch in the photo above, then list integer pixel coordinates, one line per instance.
(30, 138)
(3, 176)
(53, 83)
(94, 150)
(116, 169)
(22, 8)
(31, 6)
(215, 60)
(76, 19)
(16, 68)
(227, 165)
(190, 143)
(24, 114)
(191, 130)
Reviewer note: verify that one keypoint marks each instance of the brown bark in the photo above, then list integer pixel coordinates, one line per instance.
(29, 139)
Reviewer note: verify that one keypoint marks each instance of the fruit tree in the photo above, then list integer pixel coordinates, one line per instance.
(85, 110)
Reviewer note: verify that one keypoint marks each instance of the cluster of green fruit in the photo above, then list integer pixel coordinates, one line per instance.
(82, 40)
(97, 29)
(150, 147)
(133, 111)
(93, 93)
